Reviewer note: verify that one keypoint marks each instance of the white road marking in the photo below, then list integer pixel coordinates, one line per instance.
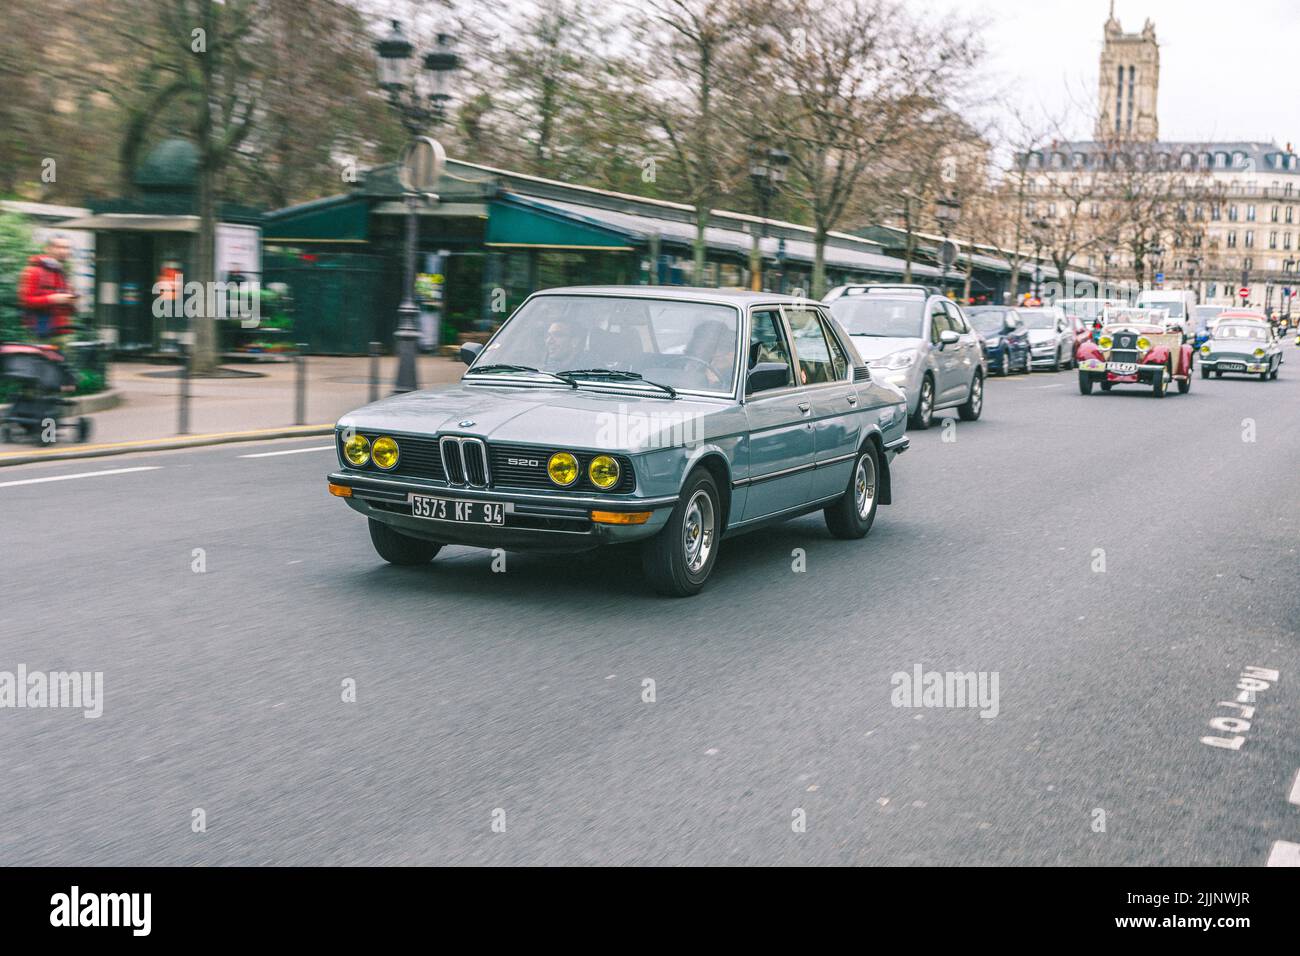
(83, 474)
(1057, 385)
(1294, 796)
(291, 451)
(1284, 854)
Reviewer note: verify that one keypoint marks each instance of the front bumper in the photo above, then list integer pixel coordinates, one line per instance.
(1242, 366)
(1097, 371)
(533, 521)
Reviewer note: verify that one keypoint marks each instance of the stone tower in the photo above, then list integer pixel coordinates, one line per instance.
(1130, 78)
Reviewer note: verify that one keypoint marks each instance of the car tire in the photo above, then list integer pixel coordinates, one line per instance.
(84, 428)
(1004, 367)
(1218, 374)
(969, 411)
(1185, 384)
(1029, 362)
(1160, 387)
(1056, 361)
(679, 559)
(401, 549)
(1205, 372)
(1106, 386)
(924, 413)
(853, 514)
(1085, 383)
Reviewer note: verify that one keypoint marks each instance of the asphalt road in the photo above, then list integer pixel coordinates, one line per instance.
(522, 691)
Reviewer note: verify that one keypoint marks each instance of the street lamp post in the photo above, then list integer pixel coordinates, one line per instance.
(947, 211)
(1108, 260)
(399, 80)
(1288, 291)
(1193, 265)
(1154, 252)
(766, 173)
(1038, 229)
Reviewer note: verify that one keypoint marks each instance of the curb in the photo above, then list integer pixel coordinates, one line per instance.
(88, 404)
(161, 444)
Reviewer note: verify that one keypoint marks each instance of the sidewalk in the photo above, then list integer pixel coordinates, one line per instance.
(149, 408)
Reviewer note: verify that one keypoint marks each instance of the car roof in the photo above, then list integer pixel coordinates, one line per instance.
(682, 293)
(1242, 315)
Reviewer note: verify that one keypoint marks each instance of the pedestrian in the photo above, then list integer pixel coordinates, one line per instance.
(45, 295)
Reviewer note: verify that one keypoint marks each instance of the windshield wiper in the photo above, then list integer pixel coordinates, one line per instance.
(613, 373)
(507, 367)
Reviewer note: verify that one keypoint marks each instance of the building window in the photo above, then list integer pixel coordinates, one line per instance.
(1250, 239)
(1286, 240)
(1250, 213)
(1232, 213)
(1273, 214)
(1289, 211)
(1232, 239)
(1215, 213)
(1272, 240)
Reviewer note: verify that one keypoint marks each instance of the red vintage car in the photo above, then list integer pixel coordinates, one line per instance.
(1136, 349)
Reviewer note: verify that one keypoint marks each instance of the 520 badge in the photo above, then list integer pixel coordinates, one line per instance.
(458, 510)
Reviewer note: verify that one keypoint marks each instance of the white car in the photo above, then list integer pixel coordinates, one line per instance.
(1051, 336)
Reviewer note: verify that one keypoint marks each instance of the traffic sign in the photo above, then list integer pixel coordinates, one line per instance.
(947, 253)
(1244, 292)
(422, 164)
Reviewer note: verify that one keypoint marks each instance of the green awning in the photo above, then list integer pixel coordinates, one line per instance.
(337, 219)
(514, 224)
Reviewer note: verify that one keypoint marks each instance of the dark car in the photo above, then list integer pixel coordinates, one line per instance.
(1005, 339)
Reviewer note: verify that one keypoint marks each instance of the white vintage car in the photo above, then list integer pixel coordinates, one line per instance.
(1242, 343)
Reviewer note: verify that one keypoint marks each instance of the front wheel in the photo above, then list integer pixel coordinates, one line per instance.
(679, 559)
(1160, 387)
(970, 411)
(1185, 384)
(852, 515)
(1085, 383)
(924, 413)
(1205, 372)
(401, 549)
(1004, 367)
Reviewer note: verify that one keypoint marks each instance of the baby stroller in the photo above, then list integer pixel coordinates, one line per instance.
(40, 382)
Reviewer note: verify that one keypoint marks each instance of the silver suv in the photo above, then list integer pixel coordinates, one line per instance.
(919, 342)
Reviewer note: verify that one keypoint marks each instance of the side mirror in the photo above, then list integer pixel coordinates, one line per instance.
(469, 352)
(766, 376)
(948, 337)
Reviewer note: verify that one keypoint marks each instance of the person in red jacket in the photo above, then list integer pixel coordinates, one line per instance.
(47, 300)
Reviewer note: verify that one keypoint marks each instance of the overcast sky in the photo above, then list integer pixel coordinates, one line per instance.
(1228, 71)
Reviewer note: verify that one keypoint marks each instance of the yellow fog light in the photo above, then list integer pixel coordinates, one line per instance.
(621, 517)
(563, 469)
(384, 452)
(1205, 350)
(1144, 343)
(1259, 353)
(357, 450)
(1105, 342)
(603, 471)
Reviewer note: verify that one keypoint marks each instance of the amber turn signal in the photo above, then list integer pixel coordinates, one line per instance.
(621, 517)
(340, 491)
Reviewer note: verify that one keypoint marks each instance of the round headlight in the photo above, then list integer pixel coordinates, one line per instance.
(1105, 342)
(563, 469)
(1144, 343)
(357, 450)
(384, 453)
(1259, 353)
(1205, 349)
(603, 471)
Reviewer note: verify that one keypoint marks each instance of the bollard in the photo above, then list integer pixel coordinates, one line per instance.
(300, 387)
(183, 424)
(374, 371)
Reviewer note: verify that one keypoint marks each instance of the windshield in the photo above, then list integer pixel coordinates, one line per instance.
(1038, 318)
(1174, 305)
(687, 345)
(1240, 332)
(881, 317)
(1086, 309)
(990, 323)
(1204, 313)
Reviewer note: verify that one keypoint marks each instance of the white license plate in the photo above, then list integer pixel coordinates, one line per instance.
(1230, 367)
(459, 510)
(1122, 368)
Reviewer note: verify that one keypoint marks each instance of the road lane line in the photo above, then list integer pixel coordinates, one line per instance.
(83, 474)
(1294, 796)
(1284, 854)
(291, 451)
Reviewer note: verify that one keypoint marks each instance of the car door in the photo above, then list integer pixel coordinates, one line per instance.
(966, 355)
(942, 359)
(780, 442)
(823, 374)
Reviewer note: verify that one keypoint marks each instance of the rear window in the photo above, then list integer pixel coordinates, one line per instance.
(879, 316)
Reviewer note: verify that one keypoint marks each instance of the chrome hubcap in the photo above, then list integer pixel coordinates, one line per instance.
(864, 486)
(1006, 364)
(927, 399)
(697, 531)
(977, 394)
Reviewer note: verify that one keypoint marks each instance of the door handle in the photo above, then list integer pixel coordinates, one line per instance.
(853, 399)
(804, 407)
